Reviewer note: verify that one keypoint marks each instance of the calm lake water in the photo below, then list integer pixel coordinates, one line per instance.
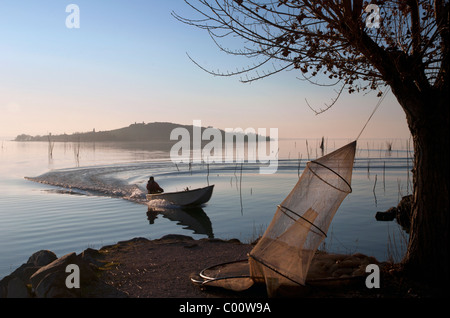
(98, 200)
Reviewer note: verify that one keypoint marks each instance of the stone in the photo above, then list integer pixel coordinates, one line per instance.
(50, 280)
(42, 258)
(388, 215)
(17, 289)
(46, 274)
(55, 266)
(176, 237)
(24, 272)
(53, 286)
(134, 240)
(21, 276)
(401, 213)
(92, 256)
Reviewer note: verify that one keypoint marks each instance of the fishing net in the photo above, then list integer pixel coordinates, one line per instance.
(283, 255)
(233, 276)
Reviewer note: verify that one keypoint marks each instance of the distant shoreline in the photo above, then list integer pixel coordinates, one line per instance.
(157, 132)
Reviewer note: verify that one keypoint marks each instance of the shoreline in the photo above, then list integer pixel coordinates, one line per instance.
(136, 268)
(162, 268)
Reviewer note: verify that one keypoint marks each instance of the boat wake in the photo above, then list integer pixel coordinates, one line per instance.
(127, 182)
(119, 181)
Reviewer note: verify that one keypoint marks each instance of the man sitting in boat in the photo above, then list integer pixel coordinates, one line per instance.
(153, 186)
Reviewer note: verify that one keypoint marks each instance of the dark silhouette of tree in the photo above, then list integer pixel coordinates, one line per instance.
(333, 42)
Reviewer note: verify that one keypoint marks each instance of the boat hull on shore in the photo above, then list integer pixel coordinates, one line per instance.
(193, 197)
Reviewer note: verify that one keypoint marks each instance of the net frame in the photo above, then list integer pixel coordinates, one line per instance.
(294, 229)
(284, 253)
(207, 278)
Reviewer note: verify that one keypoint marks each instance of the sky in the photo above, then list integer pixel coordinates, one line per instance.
(128, 62)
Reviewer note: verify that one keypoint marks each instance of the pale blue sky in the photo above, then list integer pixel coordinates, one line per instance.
(127, 63)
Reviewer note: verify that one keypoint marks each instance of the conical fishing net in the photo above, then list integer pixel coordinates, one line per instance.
(284, 253)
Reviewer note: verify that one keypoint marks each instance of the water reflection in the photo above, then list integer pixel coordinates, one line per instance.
(194, 219)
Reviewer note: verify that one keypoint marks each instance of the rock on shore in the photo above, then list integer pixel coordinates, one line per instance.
(164, 266)
(44, 276)
(402, 213)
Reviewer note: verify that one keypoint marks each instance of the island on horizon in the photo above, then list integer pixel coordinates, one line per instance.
(137, 132)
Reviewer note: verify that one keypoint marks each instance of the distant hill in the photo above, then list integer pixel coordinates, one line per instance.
(157, 132)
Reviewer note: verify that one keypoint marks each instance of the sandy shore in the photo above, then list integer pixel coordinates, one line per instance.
(142, 268)
(162, 268)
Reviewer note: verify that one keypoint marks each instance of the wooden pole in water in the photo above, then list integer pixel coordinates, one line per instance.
(240, 189)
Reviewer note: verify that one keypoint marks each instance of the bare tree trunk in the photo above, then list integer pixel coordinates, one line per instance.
(428, 250)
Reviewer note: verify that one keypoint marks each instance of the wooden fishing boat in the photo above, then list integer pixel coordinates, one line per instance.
(185, 198)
